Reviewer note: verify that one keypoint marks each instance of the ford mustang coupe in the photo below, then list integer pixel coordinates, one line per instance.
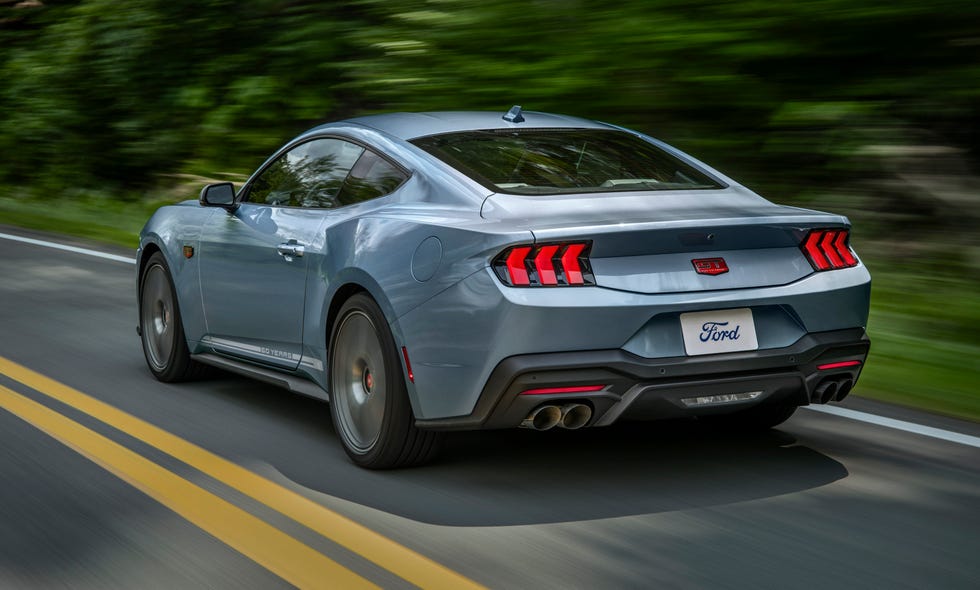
(428, 272)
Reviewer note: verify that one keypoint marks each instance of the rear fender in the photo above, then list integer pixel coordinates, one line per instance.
(401, 263)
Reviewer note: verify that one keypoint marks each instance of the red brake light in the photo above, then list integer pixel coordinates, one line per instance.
(840, 244)
(816, 257)
(545, 265)
(827, 249)
(569, 261)
(515, 266)
(827, 246)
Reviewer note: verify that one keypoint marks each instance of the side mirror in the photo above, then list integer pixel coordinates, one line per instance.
(221, 194)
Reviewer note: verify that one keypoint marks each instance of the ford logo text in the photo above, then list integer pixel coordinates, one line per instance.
(717, 332)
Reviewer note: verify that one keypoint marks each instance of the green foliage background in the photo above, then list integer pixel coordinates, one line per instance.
(867, 108)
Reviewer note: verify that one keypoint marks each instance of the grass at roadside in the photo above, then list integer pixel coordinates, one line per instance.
(927, 374)
(96, 218)
(924, 352)
(924, 348)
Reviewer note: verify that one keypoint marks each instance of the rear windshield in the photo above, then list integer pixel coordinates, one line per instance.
(556, 161)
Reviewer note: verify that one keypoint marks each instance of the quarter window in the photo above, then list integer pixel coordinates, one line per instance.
(371, 177)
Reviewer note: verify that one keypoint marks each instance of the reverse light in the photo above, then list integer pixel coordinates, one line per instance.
(545, 265)
(571, 389)
(828, 249)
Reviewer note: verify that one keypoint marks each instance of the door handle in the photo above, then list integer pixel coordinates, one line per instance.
(291, 249)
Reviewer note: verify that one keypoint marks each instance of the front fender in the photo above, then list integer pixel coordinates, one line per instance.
(169, 230)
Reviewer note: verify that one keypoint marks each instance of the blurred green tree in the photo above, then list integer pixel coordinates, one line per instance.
(809, 100)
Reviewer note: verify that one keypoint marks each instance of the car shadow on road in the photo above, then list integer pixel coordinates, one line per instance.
(516, 477)
(520, 477)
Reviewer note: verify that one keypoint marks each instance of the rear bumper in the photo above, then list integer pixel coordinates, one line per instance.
(457, 339)
(642, 388)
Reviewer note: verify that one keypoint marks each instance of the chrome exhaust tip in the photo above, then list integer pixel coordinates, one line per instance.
(543, 418)
(575, 416)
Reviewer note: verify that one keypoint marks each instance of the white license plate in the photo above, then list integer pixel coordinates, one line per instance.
(711, 332)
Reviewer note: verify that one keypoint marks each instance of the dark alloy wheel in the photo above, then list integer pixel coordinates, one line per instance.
(161, 330)
(368, 398)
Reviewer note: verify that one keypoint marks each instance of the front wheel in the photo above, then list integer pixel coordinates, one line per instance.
(368, 399)
(161, 328)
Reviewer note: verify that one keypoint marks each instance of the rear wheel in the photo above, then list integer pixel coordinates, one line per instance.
(368, 399)
(761, 417)
(161, 328)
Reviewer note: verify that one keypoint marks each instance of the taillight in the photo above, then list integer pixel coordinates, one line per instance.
(827, 249)
(545, 265)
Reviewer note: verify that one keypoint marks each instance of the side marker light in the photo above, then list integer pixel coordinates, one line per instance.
(408, 365)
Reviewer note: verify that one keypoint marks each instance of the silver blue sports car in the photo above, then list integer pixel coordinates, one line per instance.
(428, 272)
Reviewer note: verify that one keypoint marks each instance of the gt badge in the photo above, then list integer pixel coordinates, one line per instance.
(710, 266)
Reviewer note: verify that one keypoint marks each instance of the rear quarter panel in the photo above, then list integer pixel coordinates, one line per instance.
(403, 255)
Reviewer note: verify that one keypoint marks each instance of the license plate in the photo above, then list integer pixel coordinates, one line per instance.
(712, 332)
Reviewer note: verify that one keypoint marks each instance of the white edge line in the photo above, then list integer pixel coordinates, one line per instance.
(956, 437)
(74, 249)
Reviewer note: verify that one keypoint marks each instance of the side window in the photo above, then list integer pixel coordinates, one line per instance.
(309, 175)
(371, 177)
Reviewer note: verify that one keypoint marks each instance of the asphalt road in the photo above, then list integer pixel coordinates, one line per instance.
(823, 501)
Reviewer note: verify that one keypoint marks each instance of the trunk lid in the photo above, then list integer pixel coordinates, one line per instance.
(646, 242)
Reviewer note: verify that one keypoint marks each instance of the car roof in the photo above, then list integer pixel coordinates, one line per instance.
(409, 126)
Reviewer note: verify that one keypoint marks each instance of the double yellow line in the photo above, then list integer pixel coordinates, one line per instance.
(278, 552)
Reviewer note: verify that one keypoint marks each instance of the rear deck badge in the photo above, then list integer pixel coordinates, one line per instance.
(710, 266)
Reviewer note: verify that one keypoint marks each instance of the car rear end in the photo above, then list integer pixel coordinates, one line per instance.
(641, 297)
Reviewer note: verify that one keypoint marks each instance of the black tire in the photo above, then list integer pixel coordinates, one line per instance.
(758, 418)
(161, 327)
(368, 398)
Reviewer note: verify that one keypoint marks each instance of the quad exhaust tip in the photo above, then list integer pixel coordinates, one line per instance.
(825, 392)
(831, 389)
(575, 416)
(570, 416)
(543, 418)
